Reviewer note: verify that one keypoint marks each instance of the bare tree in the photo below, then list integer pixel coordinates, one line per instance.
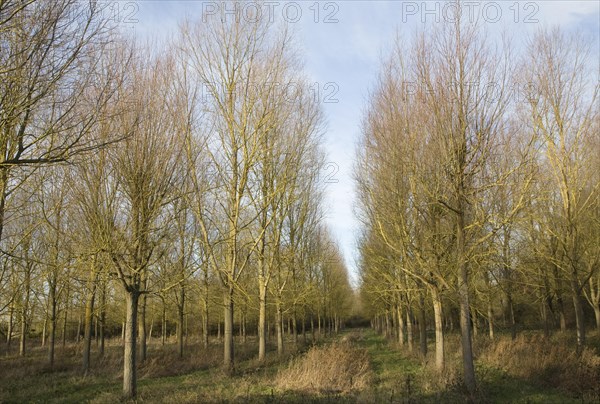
(50, 54)
(128, 212)
(563, 112)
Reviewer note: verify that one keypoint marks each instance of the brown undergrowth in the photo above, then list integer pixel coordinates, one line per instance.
(338, 367)
(548, 362)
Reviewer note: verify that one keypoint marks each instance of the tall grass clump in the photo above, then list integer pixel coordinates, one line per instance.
(339, 367)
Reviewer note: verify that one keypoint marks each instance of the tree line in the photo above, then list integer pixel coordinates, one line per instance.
(479, 188)
(153, 188)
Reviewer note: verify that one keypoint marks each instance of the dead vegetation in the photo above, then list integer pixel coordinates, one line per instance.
(338, 367)
(548, 362)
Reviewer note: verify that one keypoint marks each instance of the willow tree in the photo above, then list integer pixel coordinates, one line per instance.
(434, 127)
(129, 215)
(49, 59)
(236, 66)
(468, 125)
(563, 111)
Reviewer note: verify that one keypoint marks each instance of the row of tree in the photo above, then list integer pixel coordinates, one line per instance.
(479, 186)
(184, 177)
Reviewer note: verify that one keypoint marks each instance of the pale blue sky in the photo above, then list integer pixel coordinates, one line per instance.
(343, 43)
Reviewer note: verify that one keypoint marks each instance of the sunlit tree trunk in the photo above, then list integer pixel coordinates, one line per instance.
(129, 355)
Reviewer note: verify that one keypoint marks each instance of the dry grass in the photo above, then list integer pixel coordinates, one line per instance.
(547, 362)
(339, 367)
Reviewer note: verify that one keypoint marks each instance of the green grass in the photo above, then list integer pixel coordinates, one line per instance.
(400, 377)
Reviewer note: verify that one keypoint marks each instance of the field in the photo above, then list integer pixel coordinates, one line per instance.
(356, 366)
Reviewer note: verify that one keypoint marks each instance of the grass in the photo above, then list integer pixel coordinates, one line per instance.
(392, 375)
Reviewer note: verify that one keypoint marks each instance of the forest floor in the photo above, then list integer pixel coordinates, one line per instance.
(394, 376)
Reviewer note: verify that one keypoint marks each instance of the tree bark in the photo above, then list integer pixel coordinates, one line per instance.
(279, 327)
(87, 332)
(9, 331)
(409, 329)
(579, 315)
(205, 326)
(143, 331)
(129, 355)
(422, 326)
(228, 350)
(102, 318)
(490, 313)
(465, 318)
(52, 324)
(439, 328)
(24, 319)
(180, 319)
(401, 325)
(262, 320)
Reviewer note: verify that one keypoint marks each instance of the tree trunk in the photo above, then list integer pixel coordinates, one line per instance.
(244, 328)
(439, 328)
(228, 352)
(129, 355)
(409, 329)
(422, 327)
(205, 326)
(66, 317)
(490, 313)
(9, 331)
(465, 318)
(474, 323)
(579, 315)
(395, 325)
(164, 323)
(279, 327)
(387, 325)
(143, 332)
(24, 331)
(78, 337)
(513, 324)
(401, 325)
(262, 323)
(52, 324)
(545, 320)
(102, 318)
(87, 337)
(24, 308)
(44, 328)
(319, 325)
(294, 321)
(180, 318)
(304, 328)
(559, 298)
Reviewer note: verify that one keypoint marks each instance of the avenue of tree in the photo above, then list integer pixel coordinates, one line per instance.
(176, 188)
